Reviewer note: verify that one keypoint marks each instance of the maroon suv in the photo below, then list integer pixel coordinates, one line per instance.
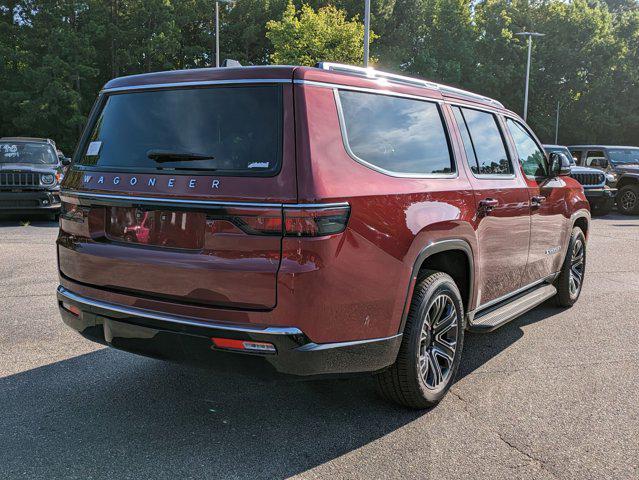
(312, 221)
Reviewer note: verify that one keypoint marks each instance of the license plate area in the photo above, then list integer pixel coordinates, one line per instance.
(158, 228)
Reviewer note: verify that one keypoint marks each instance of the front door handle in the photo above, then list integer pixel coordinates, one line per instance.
(488, 204)
(537, 200)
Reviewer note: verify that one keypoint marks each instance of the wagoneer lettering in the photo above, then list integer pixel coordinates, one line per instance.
(363, 227)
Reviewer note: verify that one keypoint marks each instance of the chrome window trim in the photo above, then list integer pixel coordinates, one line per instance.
(201, 83)
(139, 312)
(347, 147)
(390, 93)
(206, 203)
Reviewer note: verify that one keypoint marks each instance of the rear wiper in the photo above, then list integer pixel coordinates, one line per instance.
(162, 156)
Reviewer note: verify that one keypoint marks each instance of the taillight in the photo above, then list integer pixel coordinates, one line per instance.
(294, 221)
(254, 221)
(315, 221)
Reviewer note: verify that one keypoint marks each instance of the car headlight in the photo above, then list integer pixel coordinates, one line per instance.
(611, 177)
(47, 179)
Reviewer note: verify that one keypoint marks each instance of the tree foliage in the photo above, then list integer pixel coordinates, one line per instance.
(309, 36)
(56, 55)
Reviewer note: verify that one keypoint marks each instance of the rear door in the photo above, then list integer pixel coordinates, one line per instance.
(176, 194)
(547, 198)
(503, 214)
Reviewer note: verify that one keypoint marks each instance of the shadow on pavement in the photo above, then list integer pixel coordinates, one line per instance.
(110, 414)
(479, 348)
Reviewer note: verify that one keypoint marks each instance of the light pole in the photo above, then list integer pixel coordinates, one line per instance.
(217, 29)
(367, 28)
(529, 35)
(557, 126)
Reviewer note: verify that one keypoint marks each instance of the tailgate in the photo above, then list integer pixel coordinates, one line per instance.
(177, 194)
(217, 255)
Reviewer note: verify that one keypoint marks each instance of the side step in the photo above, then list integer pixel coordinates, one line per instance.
(494, 318)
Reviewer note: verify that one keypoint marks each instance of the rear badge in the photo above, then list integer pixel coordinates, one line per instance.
(552, 250)
(180, 182)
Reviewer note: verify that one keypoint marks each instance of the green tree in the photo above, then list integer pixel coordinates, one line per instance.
(307, 36)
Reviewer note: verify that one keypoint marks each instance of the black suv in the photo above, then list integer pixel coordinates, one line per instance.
(621, 167)
(30, 175)
(594, 182)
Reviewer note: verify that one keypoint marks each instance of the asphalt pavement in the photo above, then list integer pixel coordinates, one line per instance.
(554, 394)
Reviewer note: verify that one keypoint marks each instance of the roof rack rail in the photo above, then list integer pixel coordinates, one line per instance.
(401, 79)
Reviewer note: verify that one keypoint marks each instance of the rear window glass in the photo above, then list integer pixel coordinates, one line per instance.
(23, 152)
(226, 130)
(397, 135)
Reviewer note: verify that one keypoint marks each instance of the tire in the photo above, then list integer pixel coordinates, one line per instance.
(628, 199)
(601, 207)
(571, 277)
(425, 368)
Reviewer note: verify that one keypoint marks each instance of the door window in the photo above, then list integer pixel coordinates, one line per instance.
(483, 143)
(530, 155)
(395, 135)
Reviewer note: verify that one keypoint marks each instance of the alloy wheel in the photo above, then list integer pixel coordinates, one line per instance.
(629, 200)
(438, 341)
(577, 263)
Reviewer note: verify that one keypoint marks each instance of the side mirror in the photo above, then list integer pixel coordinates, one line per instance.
(559, 164)
(65, 161)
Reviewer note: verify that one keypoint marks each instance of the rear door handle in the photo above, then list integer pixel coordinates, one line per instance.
(488, 204)
(537, 200)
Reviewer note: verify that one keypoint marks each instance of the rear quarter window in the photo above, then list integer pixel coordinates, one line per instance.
(395, 135)
(227, 130)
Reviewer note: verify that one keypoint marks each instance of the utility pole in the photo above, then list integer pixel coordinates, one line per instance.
(529, 36)
(367, 28)
(217, 33)
(217, 29)
(557, 126)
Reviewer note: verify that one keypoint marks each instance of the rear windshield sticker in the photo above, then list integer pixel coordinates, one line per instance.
(258, 165)
(94, 148)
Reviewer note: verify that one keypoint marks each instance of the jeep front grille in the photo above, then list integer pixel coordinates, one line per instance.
(589, 178)
(19, 179)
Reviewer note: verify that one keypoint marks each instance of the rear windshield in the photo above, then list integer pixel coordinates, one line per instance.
(23, 152)
(226, 130)
(624, 155)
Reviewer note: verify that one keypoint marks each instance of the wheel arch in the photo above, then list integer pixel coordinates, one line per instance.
(432, 255)
(627, 180)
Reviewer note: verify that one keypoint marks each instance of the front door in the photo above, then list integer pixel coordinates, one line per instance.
(503, 213)
(549, 220)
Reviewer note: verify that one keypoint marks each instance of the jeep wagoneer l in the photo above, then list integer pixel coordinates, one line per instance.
(312, 221)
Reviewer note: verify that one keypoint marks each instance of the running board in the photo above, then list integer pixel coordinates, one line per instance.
(494, 318)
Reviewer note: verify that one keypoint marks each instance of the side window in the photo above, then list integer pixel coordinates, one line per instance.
(397, 135)
(530, 155)
(483, 142)
(596, 159)
(576, 156)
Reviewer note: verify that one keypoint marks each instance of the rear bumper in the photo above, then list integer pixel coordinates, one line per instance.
(29, 201)
(188, 340)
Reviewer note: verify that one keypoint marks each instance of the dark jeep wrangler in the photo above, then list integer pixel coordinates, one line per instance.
(30, 175)
(621, 166)
(594, 182)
